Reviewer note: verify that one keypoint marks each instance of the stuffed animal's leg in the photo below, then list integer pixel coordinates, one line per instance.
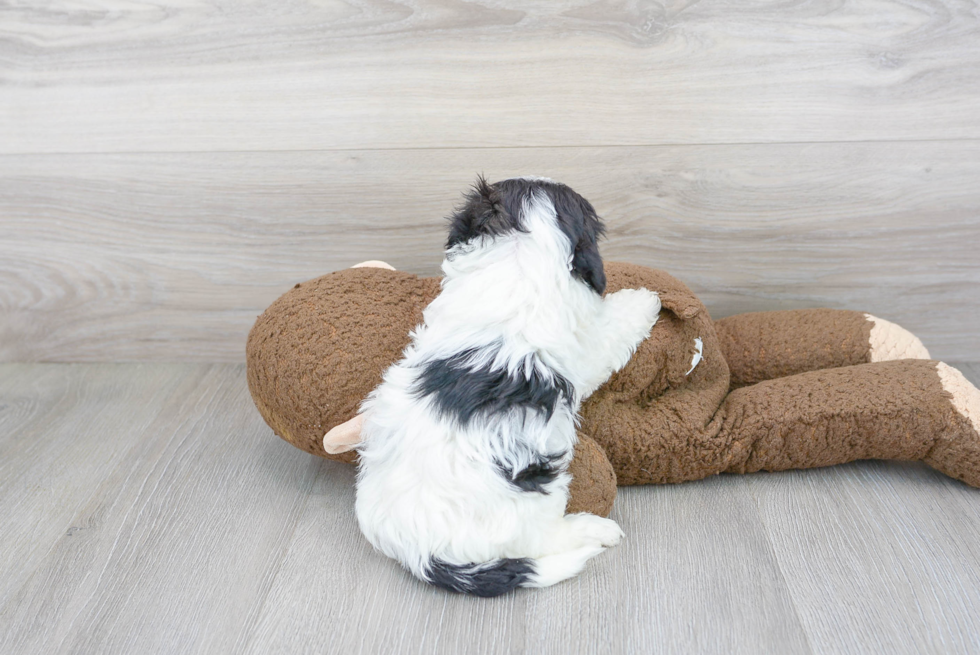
(907, 410)
(768, 345)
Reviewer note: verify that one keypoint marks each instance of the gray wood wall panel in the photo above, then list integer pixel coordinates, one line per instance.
(172, 256)
(167, 170)
(212, 75)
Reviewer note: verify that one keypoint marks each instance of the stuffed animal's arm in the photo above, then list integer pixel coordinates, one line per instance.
(768, 345)
(344, 437)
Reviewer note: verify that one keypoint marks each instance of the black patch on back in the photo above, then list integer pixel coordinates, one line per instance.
(462, 392)
(486, 580)
(534, 477)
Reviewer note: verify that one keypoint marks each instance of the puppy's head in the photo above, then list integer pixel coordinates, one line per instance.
(492, 210)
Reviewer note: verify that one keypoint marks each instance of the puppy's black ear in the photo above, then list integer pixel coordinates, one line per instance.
(483, 214)
(583, 227)
(587, 263)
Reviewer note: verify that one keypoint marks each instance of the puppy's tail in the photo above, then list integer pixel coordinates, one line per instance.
(486, 579)
(499, 576)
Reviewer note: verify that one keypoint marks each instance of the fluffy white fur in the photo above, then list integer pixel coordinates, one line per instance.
(428, 488)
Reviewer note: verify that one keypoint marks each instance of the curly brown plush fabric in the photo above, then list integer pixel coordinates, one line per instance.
(766, 345)
(318, 350)
(772, 390)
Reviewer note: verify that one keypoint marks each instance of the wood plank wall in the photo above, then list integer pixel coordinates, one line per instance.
(168, 169)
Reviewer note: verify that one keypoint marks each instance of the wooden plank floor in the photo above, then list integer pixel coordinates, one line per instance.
(148, 509)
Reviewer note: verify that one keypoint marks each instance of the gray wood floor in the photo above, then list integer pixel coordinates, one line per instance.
(168, 169)
(148, 509)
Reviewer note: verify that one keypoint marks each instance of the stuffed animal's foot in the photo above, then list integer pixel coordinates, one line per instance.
(957, 451)
(889, 341)
(966, 397)
(769, 345)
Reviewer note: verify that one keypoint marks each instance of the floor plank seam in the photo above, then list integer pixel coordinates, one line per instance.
(779, 565)
(76, 515)
(193, 399)
(253, 620)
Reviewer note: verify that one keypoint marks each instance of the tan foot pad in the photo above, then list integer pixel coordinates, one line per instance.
(344, 437)
(966, 397)
(374, 263)
(889, 342)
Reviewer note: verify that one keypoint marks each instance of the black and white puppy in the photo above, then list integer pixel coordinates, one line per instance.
(466, 443)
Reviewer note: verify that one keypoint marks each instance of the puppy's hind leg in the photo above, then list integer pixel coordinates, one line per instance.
(570, 543)
(552, 569)
(594, 529)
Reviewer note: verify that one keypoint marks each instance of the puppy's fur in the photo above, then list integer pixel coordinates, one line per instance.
(467, 441)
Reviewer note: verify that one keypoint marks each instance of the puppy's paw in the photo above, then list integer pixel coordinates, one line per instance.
(595, 529)
(637, 308)
(648, 306)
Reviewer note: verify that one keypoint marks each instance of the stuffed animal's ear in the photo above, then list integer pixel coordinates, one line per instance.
(675, 297)
(483, 214)
(344, 437)
(681, 302)
(374, 263)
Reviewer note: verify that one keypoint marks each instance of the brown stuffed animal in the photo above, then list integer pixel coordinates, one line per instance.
(766, 391)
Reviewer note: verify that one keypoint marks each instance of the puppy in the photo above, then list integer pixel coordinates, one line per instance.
(466, 443)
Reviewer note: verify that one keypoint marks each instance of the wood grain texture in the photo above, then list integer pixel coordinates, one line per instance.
(209, 75)
(880, 556)
(68, 442)
(173, 548)
(863, 579)
(652, 594)
(203, 533)
(172, 256)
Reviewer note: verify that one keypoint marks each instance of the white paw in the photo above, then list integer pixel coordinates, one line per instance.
(649, 306)
(637, 309)
(595, 529)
